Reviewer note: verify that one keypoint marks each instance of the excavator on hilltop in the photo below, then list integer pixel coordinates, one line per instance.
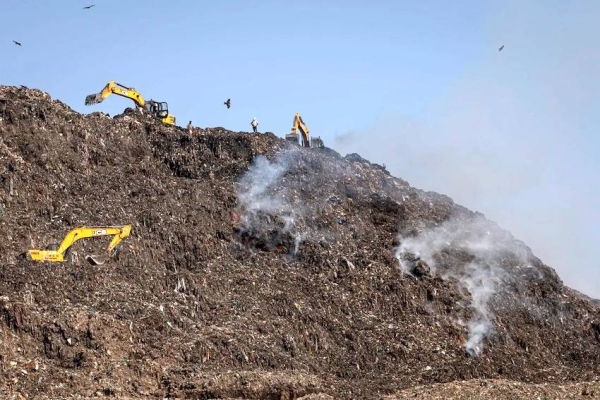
(159, 109)
(307, 141)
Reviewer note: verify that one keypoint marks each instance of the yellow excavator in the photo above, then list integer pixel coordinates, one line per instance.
(159, 109)
(62, 252)
(307, 141)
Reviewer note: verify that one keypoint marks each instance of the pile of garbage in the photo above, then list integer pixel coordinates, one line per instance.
(256, 269)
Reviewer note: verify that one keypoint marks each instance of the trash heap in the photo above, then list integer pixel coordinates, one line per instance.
(257, 269)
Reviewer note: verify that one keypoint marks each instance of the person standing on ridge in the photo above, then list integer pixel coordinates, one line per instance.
(254, 124)
(190, 127)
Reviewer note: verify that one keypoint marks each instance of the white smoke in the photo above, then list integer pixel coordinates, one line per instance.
(257, 188)
(265, 201)
(297, 242)
(482, 242)
(481, 283)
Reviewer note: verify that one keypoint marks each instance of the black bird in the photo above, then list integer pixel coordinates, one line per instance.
(501, 47)
(17, 43)
(228, 103)
(85, 8)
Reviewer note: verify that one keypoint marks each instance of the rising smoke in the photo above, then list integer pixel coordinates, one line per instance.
(266, 195)
(481, 283)
(484, 243)
(265, 202)
(258, 188)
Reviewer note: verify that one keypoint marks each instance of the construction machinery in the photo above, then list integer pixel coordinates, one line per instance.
(159, 109)
(62, 252)
(307, 141)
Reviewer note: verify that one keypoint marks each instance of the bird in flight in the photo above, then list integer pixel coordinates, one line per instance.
(17, 43)
(85, 8)
(501, 47)
(228, 103)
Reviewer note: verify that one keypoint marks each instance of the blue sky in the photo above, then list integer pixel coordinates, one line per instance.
(419, 86)
(339, 63)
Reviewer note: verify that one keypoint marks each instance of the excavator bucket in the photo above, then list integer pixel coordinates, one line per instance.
(95, 259)
(93, 99)
(292, 138)
(99, 259)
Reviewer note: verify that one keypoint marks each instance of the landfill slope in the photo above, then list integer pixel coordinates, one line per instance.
(256, 269)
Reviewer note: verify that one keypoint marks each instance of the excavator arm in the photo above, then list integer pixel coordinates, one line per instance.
(307, 141)
(59, 253)
(299, 125)
(156, 108)
(118, 89)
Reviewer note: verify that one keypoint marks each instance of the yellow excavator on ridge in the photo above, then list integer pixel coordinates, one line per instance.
(307, 141)
(159, 109)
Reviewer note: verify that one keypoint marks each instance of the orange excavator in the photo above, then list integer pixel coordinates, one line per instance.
(307, 141)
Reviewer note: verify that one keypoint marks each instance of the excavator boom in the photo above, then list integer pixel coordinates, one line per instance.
(118, 89)
(158, 109)
(58, 254)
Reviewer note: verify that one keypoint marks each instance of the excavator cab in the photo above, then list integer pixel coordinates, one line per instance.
(316, 142)
(158, 109)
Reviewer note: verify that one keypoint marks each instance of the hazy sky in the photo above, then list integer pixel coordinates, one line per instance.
(417, 85)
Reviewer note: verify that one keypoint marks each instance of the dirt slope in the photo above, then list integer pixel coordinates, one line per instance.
(256, 270)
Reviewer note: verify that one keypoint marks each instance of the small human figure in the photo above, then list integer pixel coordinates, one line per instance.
(254, 124)
(190, 128)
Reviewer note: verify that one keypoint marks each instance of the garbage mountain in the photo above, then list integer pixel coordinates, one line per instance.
(259, 269)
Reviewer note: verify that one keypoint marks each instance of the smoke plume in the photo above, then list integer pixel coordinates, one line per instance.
(266, 203)
(482, 242)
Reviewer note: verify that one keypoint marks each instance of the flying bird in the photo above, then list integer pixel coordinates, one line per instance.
(228, 103)
(17, 43)
(501, 47)
(85, 8)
